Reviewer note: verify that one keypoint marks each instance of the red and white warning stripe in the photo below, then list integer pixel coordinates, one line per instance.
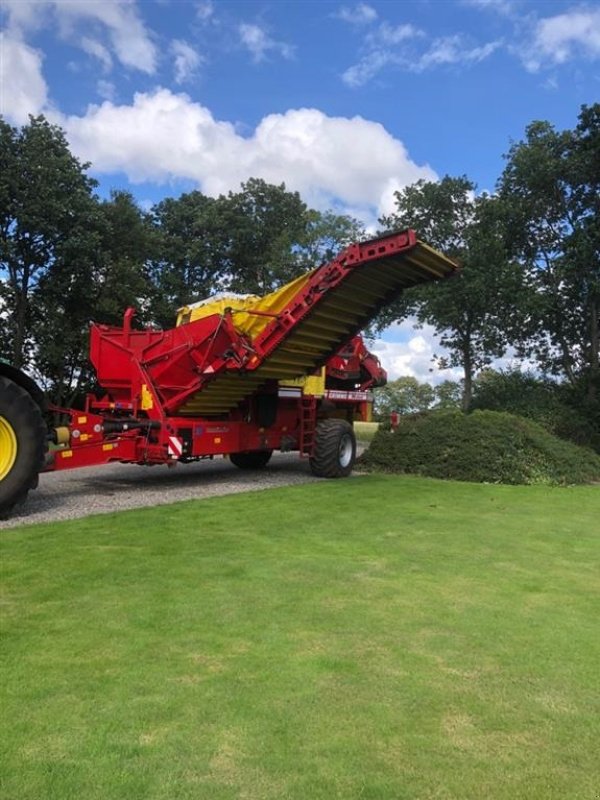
(175, 447)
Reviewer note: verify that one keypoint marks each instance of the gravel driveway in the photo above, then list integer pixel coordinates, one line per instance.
(99, 490)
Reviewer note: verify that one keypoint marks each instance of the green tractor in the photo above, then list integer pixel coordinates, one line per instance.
(23, 436)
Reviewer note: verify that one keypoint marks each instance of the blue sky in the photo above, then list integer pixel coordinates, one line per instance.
(345, 102)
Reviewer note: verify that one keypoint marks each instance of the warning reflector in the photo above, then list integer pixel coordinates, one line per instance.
(175, 447)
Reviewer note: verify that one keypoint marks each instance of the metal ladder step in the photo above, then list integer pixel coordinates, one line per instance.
(308, 425)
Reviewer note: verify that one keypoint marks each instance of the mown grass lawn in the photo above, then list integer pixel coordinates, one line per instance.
(380, 637)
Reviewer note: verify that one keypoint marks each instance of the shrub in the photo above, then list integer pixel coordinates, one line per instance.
(560, 408)
(485, 447)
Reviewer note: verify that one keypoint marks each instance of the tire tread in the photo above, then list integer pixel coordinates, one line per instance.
(23, 413)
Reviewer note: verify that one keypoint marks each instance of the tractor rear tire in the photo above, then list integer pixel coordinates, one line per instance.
(255, 460)
(22, 444)
(335, 449)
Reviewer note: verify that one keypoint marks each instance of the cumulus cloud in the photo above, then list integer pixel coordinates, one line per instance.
(119, 20)
(259, 43)
(185, 59)
(23, 90)
(407, 351)
(563, 37)
(330, 160)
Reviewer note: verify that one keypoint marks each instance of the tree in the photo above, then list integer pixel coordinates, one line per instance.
(404, 395)
(109, 275)
(251, 241)
(189, 260)
(264, 225)
(468, 311)
(551, 187)
(447, 395)
(46, 211)
(326, 234)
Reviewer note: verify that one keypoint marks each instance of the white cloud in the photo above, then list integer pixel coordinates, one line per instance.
(452, 50)
(408, 350)
(186, 60)
(367, 68)
(23, 90)
(331, 160)
(503, 7)
(259, 43)
(413, 354)
(393, 34)
(563, 37)
(98, 50)
(128, 35)
(205, 10)
(106, 90)
(119, 20)
(25, 16)
(360, 14)
(406, 47)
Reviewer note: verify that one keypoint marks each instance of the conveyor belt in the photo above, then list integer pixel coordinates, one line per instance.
(338, 313)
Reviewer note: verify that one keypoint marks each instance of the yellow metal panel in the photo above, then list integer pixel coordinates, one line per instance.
(251, 324)
(310, 384)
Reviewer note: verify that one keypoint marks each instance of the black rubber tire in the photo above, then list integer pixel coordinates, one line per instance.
(24, 416)
(335, 449)
(255, 460)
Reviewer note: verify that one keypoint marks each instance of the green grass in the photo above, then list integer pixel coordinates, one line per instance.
(380, 637)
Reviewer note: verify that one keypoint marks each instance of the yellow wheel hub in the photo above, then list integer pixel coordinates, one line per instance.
(8, 447)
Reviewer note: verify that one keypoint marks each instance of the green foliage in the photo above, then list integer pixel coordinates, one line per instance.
(404, 395)
(106, 277)
(251, 241)
(407, 396)
(551, 191)
(47, 210)
(485, 446)
(188, 260)
(469, 312)
(326, 233)
(263, 224)
(562, 410)
(448, 395)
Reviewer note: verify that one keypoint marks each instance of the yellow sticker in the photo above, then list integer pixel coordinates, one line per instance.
(84, 437)
(81, 420)
(108, 446)
(147, 399)
(67, 453)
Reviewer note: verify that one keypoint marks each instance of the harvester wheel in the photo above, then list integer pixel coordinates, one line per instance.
(256, 460)
(335, 449)
(22, 444)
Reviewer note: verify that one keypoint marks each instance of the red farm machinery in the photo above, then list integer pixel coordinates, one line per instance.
(238, 376)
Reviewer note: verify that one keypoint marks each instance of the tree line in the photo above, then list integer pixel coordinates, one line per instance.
(529, 253)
